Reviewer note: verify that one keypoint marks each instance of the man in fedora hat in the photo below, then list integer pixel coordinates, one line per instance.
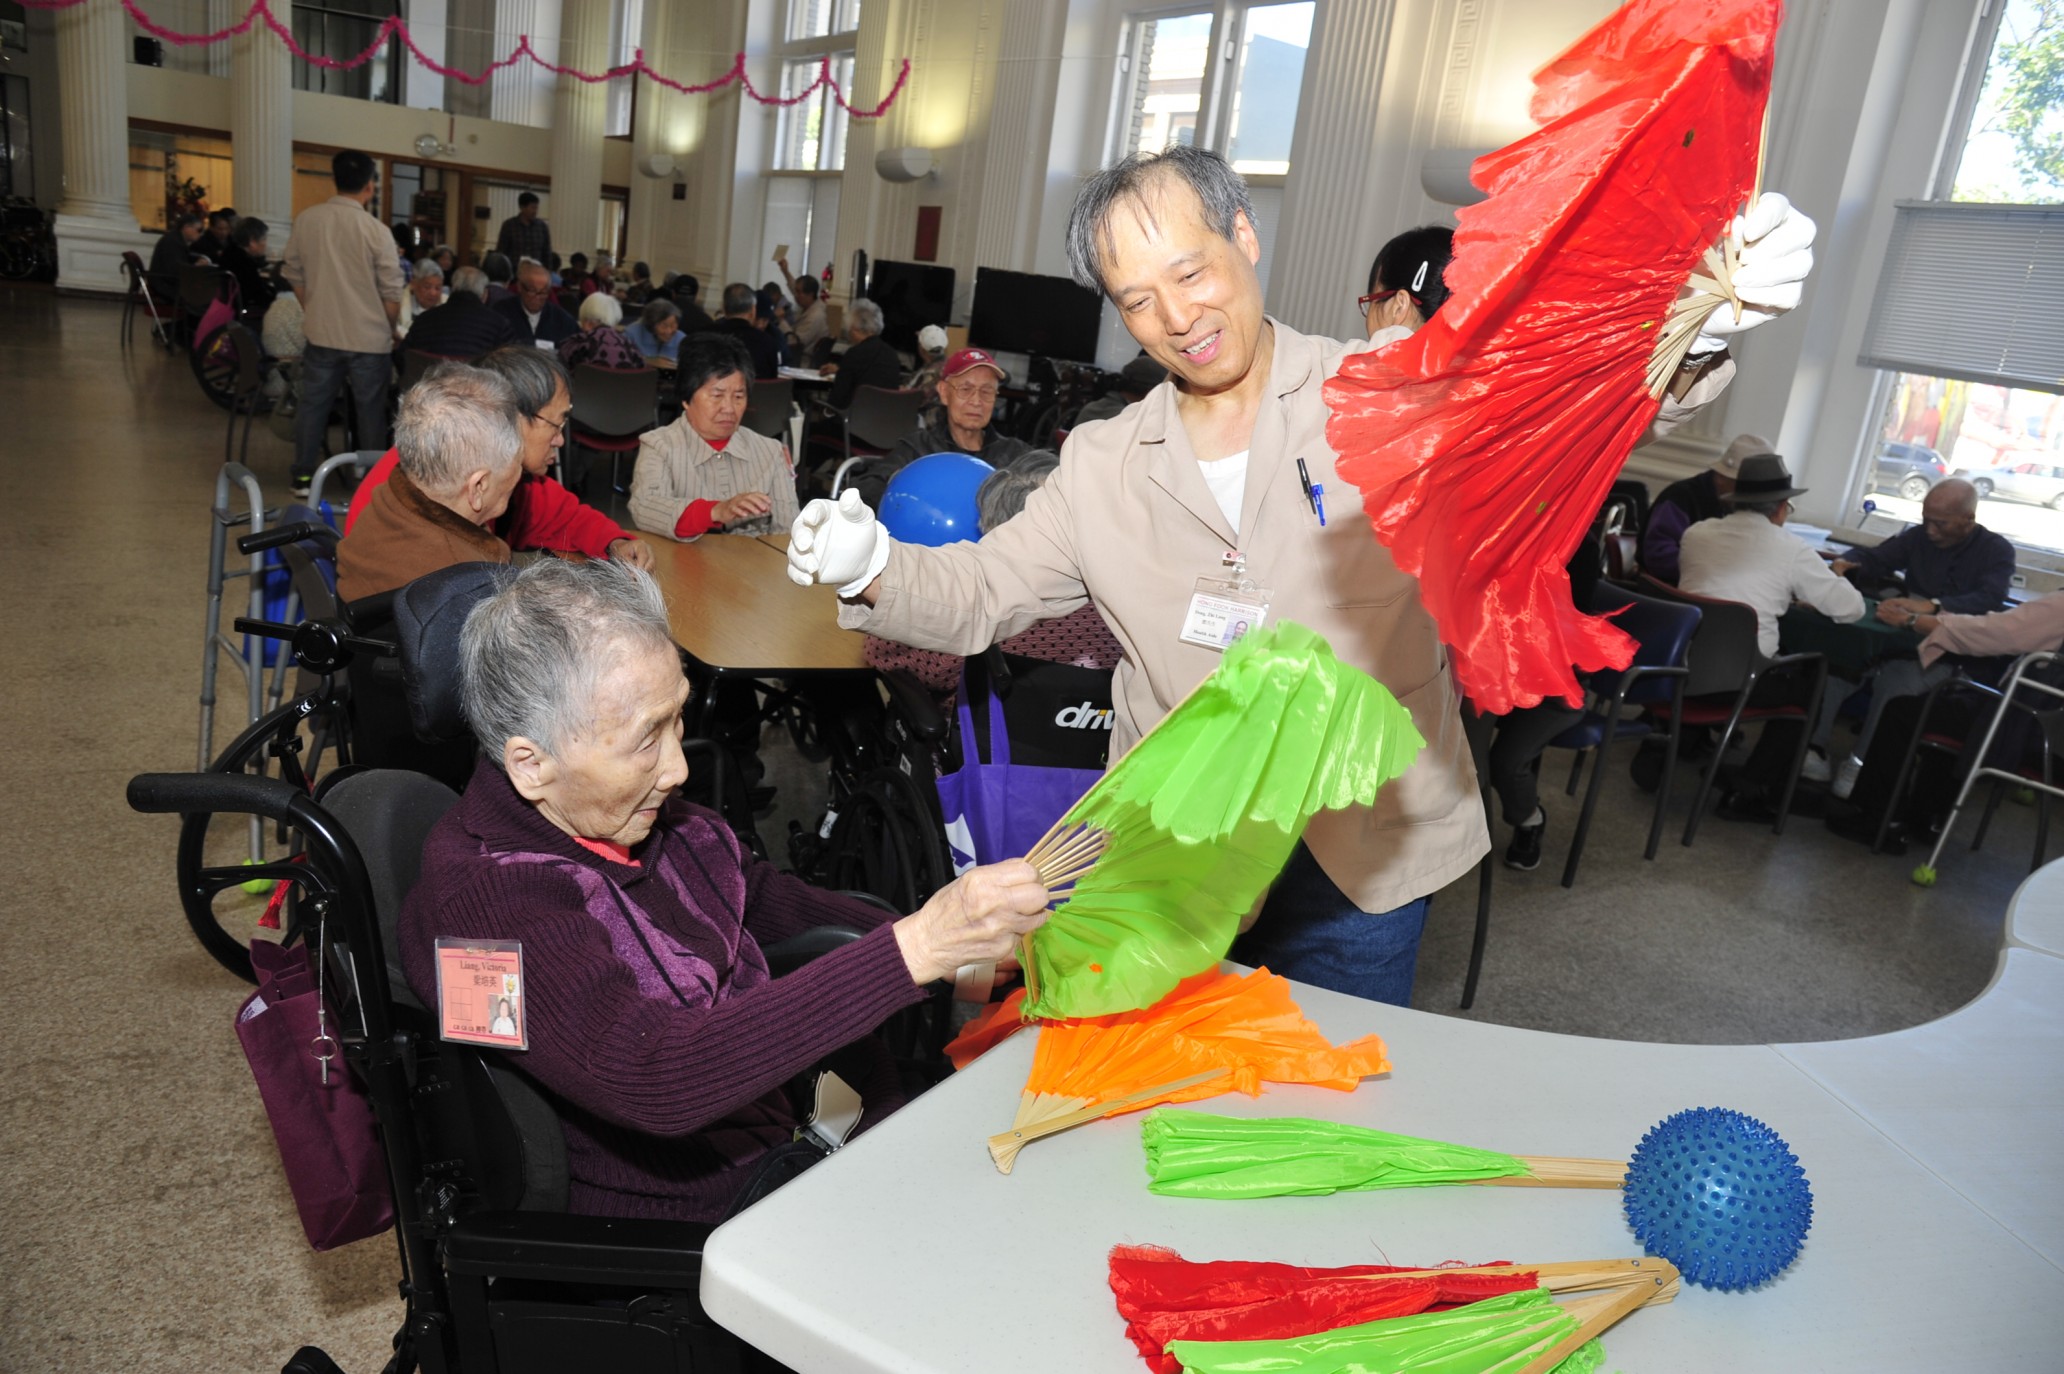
(1746, 556)
(1702, 496)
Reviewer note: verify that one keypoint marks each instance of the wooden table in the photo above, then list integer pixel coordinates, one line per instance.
(734, 611)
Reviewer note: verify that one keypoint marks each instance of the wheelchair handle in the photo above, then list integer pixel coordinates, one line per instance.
(286, 534)
(194, 793)
(321, 646)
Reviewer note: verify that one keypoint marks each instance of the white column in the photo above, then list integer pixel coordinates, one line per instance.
(1020, 132)
(94, 222)
(522, 94)
(577, 115)
(261, 130)
(1332, 190)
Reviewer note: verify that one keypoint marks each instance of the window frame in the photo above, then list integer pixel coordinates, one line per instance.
(1215, 96)
(788, 51)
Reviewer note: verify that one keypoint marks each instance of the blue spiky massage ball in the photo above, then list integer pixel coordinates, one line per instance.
(1720, 1195)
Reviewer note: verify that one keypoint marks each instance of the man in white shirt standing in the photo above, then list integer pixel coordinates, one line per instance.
(1746, 556)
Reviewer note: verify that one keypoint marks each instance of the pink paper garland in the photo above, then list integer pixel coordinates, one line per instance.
(261, 12)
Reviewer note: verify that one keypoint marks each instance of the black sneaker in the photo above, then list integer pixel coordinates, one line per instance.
(1524, 853)
(299, 486)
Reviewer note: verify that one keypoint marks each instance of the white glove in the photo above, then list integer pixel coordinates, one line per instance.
(840, 543)
(1776, 244)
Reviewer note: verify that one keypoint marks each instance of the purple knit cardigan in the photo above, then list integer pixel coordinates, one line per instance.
(652, 1018)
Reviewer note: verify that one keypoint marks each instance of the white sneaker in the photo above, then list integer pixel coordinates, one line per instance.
(1815, 769)
(1845, 777)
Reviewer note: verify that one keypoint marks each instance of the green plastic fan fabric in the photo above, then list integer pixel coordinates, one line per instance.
(1204, 812)
(1500, 1333)
(1198, 1154)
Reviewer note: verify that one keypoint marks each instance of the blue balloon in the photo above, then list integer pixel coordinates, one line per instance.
(932, 500)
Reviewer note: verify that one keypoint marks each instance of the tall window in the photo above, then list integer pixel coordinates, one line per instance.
(2007, 439)
(341, 29)
(1225, 77)
(812, 133)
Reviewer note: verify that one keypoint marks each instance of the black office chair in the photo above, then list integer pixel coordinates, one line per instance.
(768, 408)
(611, 409)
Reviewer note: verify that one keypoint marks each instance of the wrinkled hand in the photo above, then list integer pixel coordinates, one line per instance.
(747, 505)
(828, 370)
(631, 551)
(1776, 244)
(1840, 566)
(975, 919)
(841, 543)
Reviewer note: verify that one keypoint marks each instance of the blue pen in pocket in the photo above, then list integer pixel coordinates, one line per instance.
(1318, 503)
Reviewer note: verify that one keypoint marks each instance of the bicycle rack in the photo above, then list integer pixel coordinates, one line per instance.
(250, 657)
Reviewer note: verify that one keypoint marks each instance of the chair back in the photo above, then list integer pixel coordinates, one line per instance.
(1723, 648)
(767, 407)
(614, 403)
(200, 287)
(415, 362)
(879, 417)
(388, 812)
(132, 268)
(250, 361)
(1662, 632)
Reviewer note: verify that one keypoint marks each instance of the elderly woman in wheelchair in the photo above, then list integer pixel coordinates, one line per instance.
(651, 1015)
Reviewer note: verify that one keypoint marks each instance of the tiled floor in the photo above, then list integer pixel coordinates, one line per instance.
(143, 1221)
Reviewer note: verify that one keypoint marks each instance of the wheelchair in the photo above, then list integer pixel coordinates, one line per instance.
(497, 1278)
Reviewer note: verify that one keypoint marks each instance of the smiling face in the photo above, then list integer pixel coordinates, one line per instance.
(608, 782)
(666, 328)
(717, 407)
(1189, 296)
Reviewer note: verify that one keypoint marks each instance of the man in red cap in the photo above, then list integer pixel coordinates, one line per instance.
(962, 422)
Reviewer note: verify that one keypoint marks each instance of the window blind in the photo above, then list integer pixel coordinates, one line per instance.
(1974, 292)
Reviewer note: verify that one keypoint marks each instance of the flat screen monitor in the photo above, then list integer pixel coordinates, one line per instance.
(911, 295)
(1018, 312)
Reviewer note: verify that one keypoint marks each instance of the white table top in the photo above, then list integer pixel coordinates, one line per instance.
(2035, 916)
(1932, 1154)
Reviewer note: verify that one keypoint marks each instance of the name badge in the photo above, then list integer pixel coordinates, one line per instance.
(480, 993)
(1222, 609)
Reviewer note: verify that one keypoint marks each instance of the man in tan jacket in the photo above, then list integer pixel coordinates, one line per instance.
(1149, 502)
(460, 457)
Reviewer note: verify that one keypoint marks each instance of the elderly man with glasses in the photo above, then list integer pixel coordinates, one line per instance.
(399, 537)
(532, 313)
(964, 421)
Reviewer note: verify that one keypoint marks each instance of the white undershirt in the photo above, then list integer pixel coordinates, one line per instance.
(1227, 479)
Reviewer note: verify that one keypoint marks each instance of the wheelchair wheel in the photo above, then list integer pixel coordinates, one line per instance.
(887, 841)
(226, 908)
(215, 366)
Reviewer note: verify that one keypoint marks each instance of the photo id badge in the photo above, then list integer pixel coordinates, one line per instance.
(480, 993)
(1224, 608)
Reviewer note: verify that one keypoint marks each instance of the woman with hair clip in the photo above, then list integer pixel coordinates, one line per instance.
(1406, 288)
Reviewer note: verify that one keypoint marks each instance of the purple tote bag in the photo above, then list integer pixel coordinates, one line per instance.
(327, 1137)
(997, 810)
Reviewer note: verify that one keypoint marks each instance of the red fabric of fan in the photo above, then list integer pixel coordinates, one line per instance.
(1164, 1297)
(1484, 444)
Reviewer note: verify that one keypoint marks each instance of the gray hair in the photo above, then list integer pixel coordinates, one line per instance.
(534, 375)
(457, 420)
(533, 656)
(1220, 190)
(1003, 492)
(531, 265)
(865, 316)
(1763, 508)
(470, 280)
(601, 308)
(425, 269)
(658, 309)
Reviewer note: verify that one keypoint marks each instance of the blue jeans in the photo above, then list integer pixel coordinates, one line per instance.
(1310, 931)
(323, 372)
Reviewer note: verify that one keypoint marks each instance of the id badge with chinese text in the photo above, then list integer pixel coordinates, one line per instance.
(480, 993)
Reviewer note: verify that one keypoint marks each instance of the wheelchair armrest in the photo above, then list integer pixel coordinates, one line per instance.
(915, 705)
(562, 1247)
(797, 950)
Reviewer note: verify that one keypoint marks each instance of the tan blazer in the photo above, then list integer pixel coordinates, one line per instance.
(676, 468)
(1129, 521)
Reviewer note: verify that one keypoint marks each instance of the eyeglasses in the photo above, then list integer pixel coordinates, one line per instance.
(1377, 298)
(972, 391)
